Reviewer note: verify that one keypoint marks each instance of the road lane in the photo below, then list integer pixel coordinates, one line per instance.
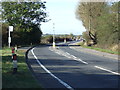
(62, 82)
(74, 73)
(94, 60)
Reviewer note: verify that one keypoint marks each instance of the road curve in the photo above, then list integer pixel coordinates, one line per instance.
(66, 68)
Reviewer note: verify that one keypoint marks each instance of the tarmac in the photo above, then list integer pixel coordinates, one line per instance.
(95, 52)
(86, 50)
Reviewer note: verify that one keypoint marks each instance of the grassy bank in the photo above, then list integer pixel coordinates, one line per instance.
(102, 50)
(23, 78)
(98, 49)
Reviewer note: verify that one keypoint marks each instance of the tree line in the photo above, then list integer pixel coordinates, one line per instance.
(48, 38)
(26, 18)
(101, 22)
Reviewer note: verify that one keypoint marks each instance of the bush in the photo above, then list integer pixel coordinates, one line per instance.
(21, 37)
(4, 34)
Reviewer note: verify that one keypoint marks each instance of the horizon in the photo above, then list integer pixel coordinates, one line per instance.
(63, 17)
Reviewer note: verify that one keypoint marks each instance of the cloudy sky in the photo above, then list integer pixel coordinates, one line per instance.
(62, 14)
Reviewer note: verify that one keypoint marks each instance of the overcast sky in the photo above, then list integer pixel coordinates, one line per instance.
(62, 13)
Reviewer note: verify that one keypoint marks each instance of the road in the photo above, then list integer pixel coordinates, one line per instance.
(71, 69)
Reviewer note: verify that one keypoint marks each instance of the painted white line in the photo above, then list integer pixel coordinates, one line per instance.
(77, 59)
(68, 55)
(73, 56)
(107, 70)
(62, 82)
(82, 61)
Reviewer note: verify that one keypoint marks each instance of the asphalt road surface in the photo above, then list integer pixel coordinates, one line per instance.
(70, 69)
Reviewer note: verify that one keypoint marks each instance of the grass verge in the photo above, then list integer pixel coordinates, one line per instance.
(98, 49)
(23, 78)
(102, 50)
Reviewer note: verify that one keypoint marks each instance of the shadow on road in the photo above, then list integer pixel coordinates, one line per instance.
(72, 72)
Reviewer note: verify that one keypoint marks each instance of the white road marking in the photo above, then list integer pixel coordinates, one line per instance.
(107, 70)
(82, 61)
(68, 55)
(62, 82)
(73, 56)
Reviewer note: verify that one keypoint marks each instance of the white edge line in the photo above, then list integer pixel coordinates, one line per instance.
(65, 84)
(107, 70)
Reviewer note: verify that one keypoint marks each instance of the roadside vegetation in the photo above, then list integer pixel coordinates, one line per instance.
(102, 24)
(102, 50)
(99, 49)
(48, 38)
(23, 78)
(26, 18)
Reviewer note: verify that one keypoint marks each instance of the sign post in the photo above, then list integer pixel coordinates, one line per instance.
(9, 38)
(53, 36)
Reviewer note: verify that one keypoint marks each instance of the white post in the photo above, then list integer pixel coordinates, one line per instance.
(9, 38)
(9, 41)
(53, 36)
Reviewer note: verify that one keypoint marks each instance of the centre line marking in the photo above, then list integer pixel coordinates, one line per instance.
(62, 82)
(82, 61)
(107, 70)
(68, 55)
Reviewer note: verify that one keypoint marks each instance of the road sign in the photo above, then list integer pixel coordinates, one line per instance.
(11, 28)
